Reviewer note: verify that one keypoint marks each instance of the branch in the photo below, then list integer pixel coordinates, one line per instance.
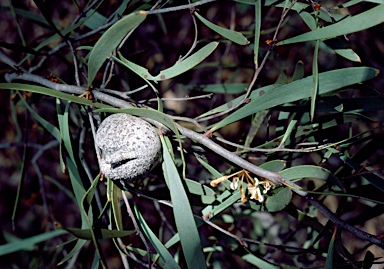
(343, 225)
(207, 142)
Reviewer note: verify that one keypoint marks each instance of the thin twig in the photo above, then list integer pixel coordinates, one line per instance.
(34, 160)
(343, 225)
(130, 32)
(163, 218)
(198, 125)
(75, 64)
(194, 41)
(185, 98)
(124, 95)
(136, 225)
(108, 70)
(228, 46)
(187, 6)
(64, 43)
(256, 74)
(280, 148)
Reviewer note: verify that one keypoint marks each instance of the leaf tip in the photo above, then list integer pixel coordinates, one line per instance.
(142, 13)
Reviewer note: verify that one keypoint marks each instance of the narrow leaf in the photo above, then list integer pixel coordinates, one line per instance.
(110, 40)
(116, 198)
(329, 261)
(185, 223)
(101, 234)
(256, 40)
(169, 261)
(51, 92)
(234, 36)
(28, 242)
(174, 70)
(349, 25)
(79, 245)
(225, 200)
(279, 200)
(311, 171)
(315, 74)
(227, 88)
(300, 89)
(255, 93)
(256, 261)
(348, 54)
(299, 71)
(274, 166)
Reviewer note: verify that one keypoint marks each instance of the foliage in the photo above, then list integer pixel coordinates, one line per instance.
(259, 168)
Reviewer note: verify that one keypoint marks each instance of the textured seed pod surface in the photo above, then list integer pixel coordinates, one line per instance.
(130, 147)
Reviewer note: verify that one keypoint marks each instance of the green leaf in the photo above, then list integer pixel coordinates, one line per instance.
(308, 19)
(109, 41)
(274, 166)
(300, 89)
(256, 40)
(185, 222)
(348, 54)
(169, 261)
(228, 88)
(288, 132)
(256, 124)
(299, 71)
(315, 74)
(279, 200)
(311, 171)
(207, 195)
(198, 188)
(234, 102)
(256, 261)
(94, 232)
(95, 20)
(349, 25)
(234, 36)
(225, 200)
(173, 71)
(64, 128)
(53, 93)
(329, 261)
(212, 170)
(79, 244)
(116, 197)
(100, 234)
(28, 242)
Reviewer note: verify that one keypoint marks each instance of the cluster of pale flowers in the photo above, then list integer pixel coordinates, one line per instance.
(253, 185)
